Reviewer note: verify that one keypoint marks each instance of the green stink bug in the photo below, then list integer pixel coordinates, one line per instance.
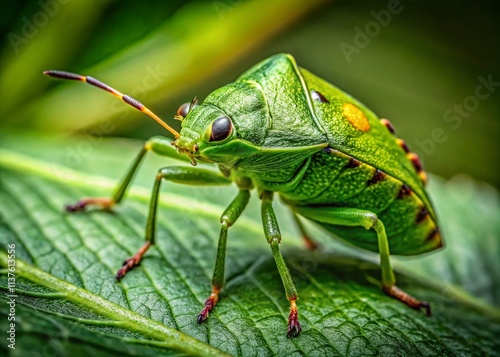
(328, 157)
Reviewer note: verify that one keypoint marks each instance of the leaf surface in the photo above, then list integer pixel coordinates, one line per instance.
(68, 301)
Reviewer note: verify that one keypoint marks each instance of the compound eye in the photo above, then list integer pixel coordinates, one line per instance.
(221, 129)
(183, 109)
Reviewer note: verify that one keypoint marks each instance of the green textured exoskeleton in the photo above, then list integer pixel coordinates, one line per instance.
(281, 130)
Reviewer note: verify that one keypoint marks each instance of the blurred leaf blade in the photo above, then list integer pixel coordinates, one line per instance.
(342, 308)
(173, 58)
(53, 25)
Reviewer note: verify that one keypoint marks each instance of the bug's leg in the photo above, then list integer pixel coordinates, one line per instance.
(273, 236)
(309, 243)
(369, 220)
(157, 144)
(227, 219)
(388, 279)
(180, 174)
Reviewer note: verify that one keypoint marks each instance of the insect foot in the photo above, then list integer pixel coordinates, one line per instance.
(132, 262)
(209, 305)
(294, 328)
(79, 206)
(105, 203)
(409, 300)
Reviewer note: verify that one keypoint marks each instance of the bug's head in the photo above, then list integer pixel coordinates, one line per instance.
(230, 124)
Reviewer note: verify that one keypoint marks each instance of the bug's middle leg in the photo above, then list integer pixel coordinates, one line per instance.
(273, 236)
(180, 174)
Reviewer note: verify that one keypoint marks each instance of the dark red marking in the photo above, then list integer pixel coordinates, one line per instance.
(317, 96)
(388, 125)
(403, 145)
(377, 177)
(353, 163)
(133, 102)
(432, 234)
(422, 214)
(416, 162)
(404, 191)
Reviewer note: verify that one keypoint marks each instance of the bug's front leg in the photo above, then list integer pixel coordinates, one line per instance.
(273, 236)
(180, 174)
(159, 145)
(227, 219)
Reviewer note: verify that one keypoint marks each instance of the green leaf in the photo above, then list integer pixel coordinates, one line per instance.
(68, 302)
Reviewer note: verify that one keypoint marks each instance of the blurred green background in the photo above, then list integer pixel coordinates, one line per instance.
(418, 63)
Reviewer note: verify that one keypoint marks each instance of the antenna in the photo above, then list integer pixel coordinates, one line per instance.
(126, 98)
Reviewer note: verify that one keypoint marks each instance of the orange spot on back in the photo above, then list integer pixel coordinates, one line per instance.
(356, 117)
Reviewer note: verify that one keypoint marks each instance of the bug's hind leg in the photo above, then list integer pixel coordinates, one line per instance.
(388, 279)
(409, 300)
(344, 216)
(308, 241)
(157, 144)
